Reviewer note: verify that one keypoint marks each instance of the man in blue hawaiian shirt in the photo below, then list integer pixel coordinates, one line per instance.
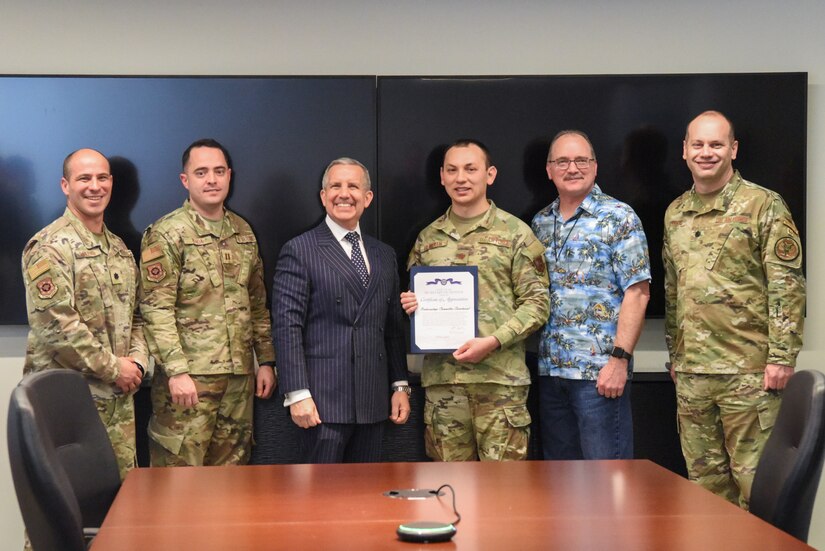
(599, 270)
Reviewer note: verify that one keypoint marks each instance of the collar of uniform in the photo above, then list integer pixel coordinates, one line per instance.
(695, 204)
(201, 227)
(85, 233)
(445, 224)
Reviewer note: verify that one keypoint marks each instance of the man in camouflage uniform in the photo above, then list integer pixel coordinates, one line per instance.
(476, 398)
(204, 302)
(735, 310)
(599, 268)
(81, 296)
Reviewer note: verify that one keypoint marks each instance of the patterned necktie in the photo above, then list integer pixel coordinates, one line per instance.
(358, 258)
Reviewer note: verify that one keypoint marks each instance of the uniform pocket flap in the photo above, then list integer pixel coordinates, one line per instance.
(165, 437)
(517, 416)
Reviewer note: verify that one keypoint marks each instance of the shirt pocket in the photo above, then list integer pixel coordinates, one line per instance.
(122, 277)
(495, 253)
(436, 253)
(90, 297)
(247, 249)
(733, 255)
(199, 270)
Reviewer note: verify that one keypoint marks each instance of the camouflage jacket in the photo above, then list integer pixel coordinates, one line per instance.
(512, 292)
(203, 295)
(82, 304)
(734, 289)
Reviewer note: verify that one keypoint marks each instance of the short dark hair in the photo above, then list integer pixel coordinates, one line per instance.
(713, 113)
(571, 132)
(205, 142)
(466, 142)
(71, 155)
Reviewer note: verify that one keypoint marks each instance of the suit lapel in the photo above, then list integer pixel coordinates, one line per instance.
(375, 273)
(333, 254)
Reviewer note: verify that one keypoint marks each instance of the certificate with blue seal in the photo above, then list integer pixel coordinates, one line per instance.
(447, 313)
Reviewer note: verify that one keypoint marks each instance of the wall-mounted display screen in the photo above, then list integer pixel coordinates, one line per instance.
(282, 131)
(636, 124)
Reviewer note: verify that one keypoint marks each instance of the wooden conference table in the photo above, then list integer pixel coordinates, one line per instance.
(510, 506)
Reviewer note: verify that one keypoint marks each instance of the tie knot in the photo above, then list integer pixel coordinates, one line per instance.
(352, 237)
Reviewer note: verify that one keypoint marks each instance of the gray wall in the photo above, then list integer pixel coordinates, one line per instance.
(450, 37)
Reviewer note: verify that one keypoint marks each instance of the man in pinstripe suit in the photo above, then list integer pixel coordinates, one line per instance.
(337, 327)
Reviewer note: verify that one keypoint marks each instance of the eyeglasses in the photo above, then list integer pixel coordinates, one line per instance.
(582, 163)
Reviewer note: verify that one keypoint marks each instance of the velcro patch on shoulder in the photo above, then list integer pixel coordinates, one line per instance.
(39, 268)
(151, 253)
(155, 272)
(46, 288)
(791, 227)
(787, 249)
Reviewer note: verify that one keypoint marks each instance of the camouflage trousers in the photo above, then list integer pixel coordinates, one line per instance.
(724, 422)
(217, 431)
(118, 416)
(467, 422)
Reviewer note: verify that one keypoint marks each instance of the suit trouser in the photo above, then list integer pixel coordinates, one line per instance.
(343, 443)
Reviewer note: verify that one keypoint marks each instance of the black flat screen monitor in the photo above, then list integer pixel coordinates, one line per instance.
(636, 123)
(282, 132)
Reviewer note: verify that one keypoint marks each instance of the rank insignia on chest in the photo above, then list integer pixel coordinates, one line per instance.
(46, 288)
(786, 249)
(155, 272)
(227, 256)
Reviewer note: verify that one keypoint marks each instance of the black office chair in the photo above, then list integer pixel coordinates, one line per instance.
(787, 476)
(64, 469)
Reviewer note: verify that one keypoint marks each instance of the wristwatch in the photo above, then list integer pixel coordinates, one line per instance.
(621, 353)
(402, 388)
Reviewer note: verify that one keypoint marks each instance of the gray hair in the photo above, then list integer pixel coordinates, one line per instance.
(571, 132)
(348, 162)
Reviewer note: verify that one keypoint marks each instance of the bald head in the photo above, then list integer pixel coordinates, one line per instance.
(85, 153)
(712, 115)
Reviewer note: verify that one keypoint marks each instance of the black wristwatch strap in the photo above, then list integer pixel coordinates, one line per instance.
(621, 353)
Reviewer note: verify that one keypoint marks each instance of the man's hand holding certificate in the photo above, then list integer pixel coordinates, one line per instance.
(446, 309)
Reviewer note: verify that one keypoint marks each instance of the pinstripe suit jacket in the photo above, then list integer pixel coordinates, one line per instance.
(332, 336)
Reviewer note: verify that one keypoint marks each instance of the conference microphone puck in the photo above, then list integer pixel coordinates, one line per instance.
(426, 532)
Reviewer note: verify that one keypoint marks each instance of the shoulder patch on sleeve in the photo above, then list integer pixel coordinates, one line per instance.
(155, 272)
(46, 288)
(787, 249)
(39, 268)
(535, 251)
(151, 253)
